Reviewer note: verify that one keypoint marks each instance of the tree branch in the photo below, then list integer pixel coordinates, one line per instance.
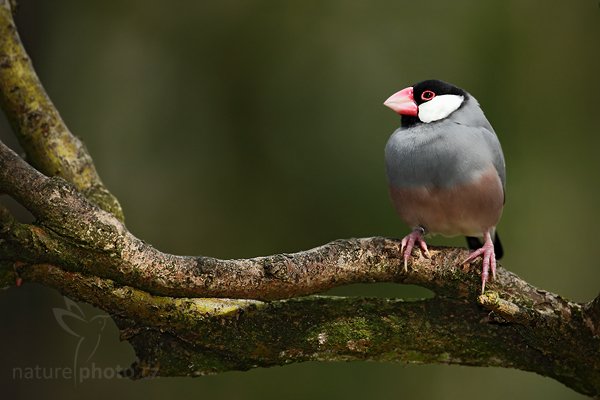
(42, 133)
(97, 243)
(79, 245)
(184, 336)
(89, 255)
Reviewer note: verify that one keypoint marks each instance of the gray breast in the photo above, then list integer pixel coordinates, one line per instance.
(445, 153)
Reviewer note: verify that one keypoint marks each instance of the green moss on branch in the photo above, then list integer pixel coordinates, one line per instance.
(190, 337)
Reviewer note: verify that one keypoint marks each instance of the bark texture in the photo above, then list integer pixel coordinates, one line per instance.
(189, 316)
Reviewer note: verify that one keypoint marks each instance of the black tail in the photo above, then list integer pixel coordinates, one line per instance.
(474, 243)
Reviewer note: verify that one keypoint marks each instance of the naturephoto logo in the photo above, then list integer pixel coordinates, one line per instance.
(72, 319)
(87, 332)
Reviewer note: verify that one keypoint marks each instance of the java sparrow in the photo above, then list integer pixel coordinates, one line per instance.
(446, 170)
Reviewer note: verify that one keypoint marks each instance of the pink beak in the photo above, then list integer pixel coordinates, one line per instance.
(403, 102)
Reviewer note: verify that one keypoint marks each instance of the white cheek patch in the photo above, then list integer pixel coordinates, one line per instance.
(439, 107)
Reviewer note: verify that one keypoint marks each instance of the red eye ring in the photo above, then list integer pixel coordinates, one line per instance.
(427, 95)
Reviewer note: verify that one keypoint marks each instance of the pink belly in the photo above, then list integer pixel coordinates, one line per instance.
(468, 209)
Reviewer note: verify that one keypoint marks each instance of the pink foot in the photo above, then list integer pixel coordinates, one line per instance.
(408, 243)
(488, 259)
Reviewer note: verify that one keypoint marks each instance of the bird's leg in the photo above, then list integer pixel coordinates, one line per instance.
(408, 243)
(488, 259)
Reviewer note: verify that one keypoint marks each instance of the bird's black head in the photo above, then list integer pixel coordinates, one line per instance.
(426, 90)
(416, 104)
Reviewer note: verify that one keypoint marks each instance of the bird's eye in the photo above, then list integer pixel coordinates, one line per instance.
(427, 95)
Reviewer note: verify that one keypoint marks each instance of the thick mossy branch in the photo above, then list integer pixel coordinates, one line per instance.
(193, 336)
(42, 133)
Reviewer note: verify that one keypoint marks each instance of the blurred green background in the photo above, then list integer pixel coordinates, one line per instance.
(241, 128)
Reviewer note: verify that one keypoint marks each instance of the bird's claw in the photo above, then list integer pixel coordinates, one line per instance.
(486, 252)
(408, 243)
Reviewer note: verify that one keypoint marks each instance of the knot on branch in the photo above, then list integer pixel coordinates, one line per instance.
(505, 309)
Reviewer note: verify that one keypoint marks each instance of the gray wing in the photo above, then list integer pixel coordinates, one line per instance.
(496, 152)
(472, 116)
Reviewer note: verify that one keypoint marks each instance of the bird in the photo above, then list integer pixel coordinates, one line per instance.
(446, 171)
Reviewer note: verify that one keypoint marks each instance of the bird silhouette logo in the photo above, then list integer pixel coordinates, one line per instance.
(87, 330)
